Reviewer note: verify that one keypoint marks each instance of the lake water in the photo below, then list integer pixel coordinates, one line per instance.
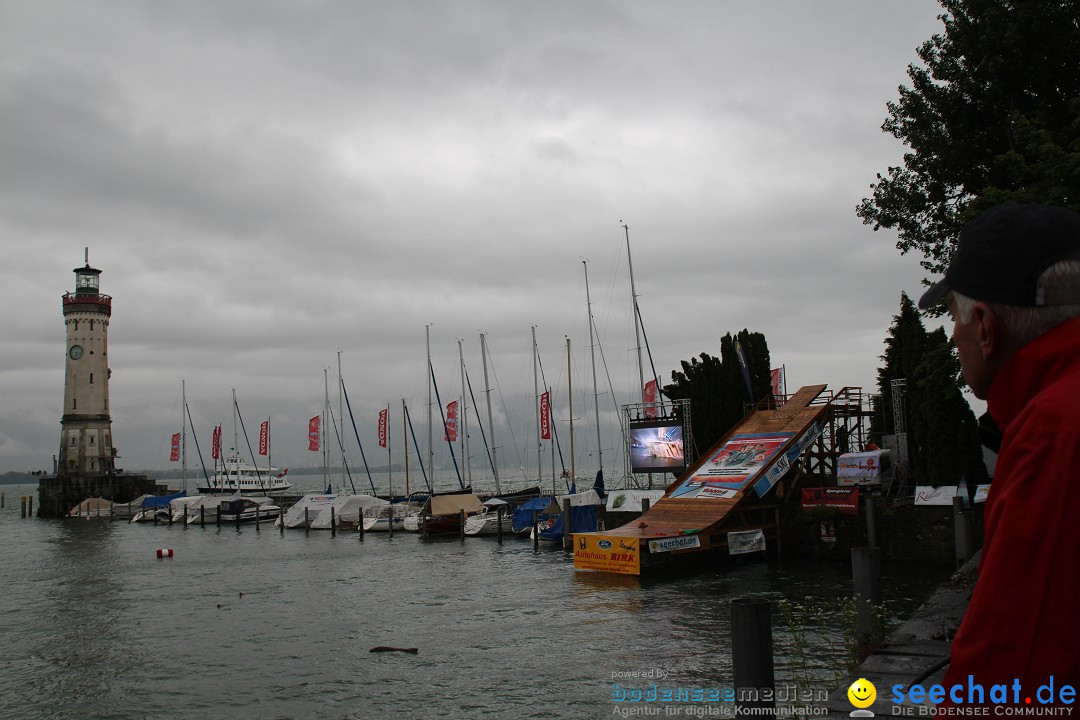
(264, 624)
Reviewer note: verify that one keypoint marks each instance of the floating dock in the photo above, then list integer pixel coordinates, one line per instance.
(720, 504)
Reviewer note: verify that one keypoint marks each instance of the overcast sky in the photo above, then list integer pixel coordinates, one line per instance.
(266, 183)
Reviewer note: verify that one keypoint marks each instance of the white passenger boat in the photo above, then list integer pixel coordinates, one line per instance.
(239, 476)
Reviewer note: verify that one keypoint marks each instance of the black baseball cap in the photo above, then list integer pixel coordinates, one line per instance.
(1003, 251)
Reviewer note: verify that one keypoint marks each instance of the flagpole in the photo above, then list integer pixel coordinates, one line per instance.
(389, 462)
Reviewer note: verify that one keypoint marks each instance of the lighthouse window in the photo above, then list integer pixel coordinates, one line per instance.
(91, 378)
(76, 324)
(91, 439)
(91, 324)
(74, 441)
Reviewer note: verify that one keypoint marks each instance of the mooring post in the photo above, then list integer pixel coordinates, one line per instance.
(3, 500)
(752, 655)
(333, 521)
(498, 519)
(360, 525)
(185, 515)
(238, 519)
(965, 541)
(535, 533)
(461, 523)
(307, 523)
(423, 526)
(567, 537)
(22, 506)
(30, 504)
(257, 513)
(202, 516)
(866, 574)
(871, 527)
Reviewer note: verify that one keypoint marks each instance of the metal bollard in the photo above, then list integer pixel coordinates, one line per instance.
(866, 575)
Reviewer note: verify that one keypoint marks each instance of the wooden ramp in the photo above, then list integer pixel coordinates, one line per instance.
(718, 495)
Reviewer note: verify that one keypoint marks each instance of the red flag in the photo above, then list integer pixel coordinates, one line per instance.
(175, 454)
(650, 398)
(545, 416)
(215, 446)
(313, 433)
(451, 422)
(382, 427)
(264, 437)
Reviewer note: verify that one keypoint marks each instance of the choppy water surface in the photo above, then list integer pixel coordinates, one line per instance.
(264, 624)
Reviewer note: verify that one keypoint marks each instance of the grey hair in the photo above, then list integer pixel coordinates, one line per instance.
(1027, 322)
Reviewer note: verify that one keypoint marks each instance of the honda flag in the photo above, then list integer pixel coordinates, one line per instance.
(175, 454)
(382, 426)
(451, 421)
(264, 437)
(215, 445)
(313, 433)
(650, 398)
(545, 416)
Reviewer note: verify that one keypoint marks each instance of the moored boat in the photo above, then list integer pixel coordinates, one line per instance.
(247, 509)
(236, 475)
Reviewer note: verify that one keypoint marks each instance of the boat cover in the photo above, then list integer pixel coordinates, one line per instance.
(160, 501)
(453, 504)
(523, 515)
(582, 520)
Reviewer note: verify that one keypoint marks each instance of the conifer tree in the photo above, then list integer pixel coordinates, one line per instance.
(716, 388)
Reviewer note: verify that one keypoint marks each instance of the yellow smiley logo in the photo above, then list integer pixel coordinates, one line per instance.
(862, 693)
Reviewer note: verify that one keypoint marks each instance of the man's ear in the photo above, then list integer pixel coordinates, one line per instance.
(990, 332)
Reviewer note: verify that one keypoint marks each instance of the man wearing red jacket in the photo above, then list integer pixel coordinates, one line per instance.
(1013, 290)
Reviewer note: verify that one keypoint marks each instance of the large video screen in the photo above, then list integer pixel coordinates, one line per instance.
(656, 446)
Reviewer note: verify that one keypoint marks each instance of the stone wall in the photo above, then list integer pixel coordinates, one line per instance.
(56, 496)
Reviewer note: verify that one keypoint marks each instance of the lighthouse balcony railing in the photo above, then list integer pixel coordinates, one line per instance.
(95, 299)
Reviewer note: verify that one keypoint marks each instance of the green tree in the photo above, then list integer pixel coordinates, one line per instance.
(993, 114)
(716, 389)
(942, 432)
(948, 445)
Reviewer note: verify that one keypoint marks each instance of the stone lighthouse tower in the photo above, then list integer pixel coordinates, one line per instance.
(86, 448)
(86, 465)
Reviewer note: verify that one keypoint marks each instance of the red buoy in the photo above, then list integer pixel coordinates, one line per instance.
(164, 552)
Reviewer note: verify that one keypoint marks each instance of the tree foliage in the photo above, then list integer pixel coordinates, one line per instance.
(992, 115)
(942, 432)
(716, 389)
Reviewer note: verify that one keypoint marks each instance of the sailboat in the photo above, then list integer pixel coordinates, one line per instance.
(237, 475)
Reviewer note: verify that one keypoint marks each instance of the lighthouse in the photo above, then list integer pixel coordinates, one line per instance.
(86, 448)
(86, 464)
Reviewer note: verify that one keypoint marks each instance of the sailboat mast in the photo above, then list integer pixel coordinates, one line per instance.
(570, 396)
(183, 436)
(325, 430)
(637, 316)
(491, 424)
(536, 403)
(464, 415)
(430, 444)
(341, 418)
(405, 435)
(592, 356)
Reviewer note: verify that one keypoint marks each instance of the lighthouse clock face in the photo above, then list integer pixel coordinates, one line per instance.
(75, 352)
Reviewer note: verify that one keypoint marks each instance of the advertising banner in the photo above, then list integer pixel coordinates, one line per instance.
(174, 455)
(779, 467)
(746, 542)
(738, 460)
(844, 499)
(683, 542)
(928, 495)
(313, 433)
(264, 437)
(608, 553)
(451, 422)
(382, 426)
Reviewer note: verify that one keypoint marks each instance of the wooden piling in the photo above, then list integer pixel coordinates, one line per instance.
(30, 505)
(257, 514)
(3, 500)
(307, 522)
(202, 516)
(22, 506)
(567, 536)
(333, 521)
(498, 519)
(185, 515)
(360, 525)
(461, 523)
(752, 655)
